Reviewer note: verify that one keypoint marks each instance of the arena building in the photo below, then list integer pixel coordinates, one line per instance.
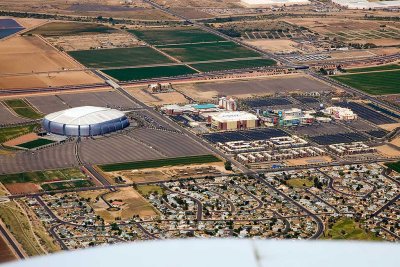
(232, 120)
(85, 121)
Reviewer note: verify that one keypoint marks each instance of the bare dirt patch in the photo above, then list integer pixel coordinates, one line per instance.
(388, 151)
(23, 188)
(309, 160)
(22, 139)
(277, 46)
(389, 127)
(130, 203)
(6, 253)
(31, 54)
(94, 41)
(396, 142)
(53, 79)
(158, 99)
(245, 88)
(168, 173)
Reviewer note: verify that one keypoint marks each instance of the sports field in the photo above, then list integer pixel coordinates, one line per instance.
(66, 185)
(36, 143)
(22, 108)
(119, 57)
(208, 51)
(130, 74)
(159, 163)
(177, 35)
(375, 83)
(377, 68)
(13, 132)
(232, 65)
(70, 28)
(42, 176)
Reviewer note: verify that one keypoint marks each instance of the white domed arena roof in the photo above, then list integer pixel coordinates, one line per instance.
(84, 115)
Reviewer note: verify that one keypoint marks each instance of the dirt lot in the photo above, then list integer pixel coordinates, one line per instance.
(309, 160)
(94, 41)
(244, 88)
(388, 151)
(22, 139)
(157, 99)
(276, 46)
(22, 55)
(127, 199)
(53, 79)
(167, 173)
(6, 253)
(389, 127)
(23, 188)
(396, 142)
(107, 8)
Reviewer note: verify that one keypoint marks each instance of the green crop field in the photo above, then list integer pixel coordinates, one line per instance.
(159, 163)
(377, 68)
(232, 65)
(208, 51)
(70, 28)
(36, 143)
(66, 185)
(375, 83)
(22, 108)
(42, 176)
(15, 131)
(179, 35)
(394, 166)
(119, 57)
(130, 74)
(348, 229)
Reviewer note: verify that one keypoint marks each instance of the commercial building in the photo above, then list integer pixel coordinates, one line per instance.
(228, 103)
(85, 121)
(339, 113)
(232, 120)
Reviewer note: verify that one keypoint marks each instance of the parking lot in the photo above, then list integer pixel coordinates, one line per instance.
(368, 114)
(248, 135)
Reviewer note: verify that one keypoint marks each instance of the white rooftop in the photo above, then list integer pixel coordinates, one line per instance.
(273, 2)
(84, 115)
(360, 4)
(226, 116)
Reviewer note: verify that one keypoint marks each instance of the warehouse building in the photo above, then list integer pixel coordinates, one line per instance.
(232, 120)
(85, 121)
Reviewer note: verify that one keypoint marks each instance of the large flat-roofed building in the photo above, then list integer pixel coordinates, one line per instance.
(365, 4)
(260, 3)
(232, 120)
(340, 113)
(85, 121)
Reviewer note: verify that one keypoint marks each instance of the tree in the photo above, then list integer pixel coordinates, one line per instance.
(228, 165)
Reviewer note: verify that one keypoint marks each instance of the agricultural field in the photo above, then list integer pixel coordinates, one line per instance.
(348, 229)
(70, 28)
(36, 143)
(394, 166)
(119, 57)
(375, 68)
(231, 65)
(208, 51)
(375, 83)
(130, 74)
(66, 185)
(13, 132)
(159, 163)
(22, 108)
(42, 176)
(6, 253)
(177, 35)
